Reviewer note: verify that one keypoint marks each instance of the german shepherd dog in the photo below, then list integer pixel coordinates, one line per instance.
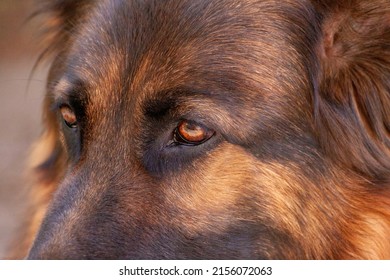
(223, 129)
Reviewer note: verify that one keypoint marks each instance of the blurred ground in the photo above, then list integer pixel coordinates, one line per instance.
(19, 110)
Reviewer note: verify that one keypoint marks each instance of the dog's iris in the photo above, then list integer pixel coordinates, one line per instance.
(68, 116)
(192, 133)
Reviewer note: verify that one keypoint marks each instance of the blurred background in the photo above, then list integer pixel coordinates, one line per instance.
(20, 103)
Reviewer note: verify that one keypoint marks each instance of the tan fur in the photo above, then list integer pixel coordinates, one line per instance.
(297, 95)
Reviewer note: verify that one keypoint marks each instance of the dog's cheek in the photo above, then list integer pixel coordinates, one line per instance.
(229, 190)
(225, 192)
(213, 184)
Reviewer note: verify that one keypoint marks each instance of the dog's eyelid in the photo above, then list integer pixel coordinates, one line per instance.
(58, 102)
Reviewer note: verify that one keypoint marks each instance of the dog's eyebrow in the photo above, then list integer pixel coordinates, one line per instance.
(68, 91)
(165, 100)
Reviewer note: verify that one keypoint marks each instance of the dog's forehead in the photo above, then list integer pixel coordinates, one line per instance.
(156, 45)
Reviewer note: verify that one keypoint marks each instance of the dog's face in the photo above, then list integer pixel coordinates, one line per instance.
(201, 129)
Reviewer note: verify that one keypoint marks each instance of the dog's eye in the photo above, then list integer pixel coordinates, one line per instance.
(191, 133)
(68, 116)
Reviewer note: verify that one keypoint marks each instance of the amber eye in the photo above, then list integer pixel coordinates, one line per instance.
(68, 116)
(192, 133)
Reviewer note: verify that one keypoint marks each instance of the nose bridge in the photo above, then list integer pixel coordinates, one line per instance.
(67, 228)
(111, 138)
(56, 234)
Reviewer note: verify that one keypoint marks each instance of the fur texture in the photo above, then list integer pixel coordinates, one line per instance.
(296, 93)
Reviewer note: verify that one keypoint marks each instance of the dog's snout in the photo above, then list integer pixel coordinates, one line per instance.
(69, 229)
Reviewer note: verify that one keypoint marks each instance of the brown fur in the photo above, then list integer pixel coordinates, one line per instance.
(297, 92)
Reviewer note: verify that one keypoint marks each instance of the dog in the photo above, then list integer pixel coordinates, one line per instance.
(224, 129)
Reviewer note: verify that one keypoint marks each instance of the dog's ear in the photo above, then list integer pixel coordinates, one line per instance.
(352, 102)
(61, 19)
